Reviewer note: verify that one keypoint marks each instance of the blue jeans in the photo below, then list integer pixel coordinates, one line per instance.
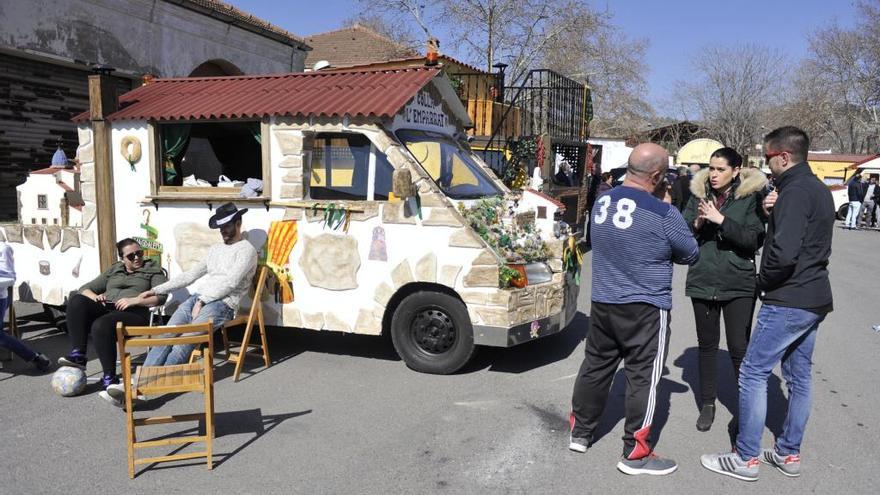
(781, 334)
(8, 341)
(852, 215)
(164, 355)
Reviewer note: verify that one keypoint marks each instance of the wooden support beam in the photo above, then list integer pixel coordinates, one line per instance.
(103, 102)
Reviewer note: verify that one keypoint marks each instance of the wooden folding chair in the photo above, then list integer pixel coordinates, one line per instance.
(254, 314)
(157, 380)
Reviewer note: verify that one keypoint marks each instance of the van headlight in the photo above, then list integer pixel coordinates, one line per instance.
(538, 273)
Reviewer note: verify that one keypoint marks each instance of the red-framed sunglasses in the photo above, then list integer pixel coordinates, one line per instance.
(768, 156)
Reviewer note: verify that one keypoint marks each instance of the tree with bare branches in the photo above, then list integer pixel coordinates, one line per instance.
(568, 36)
(836, 93)
(730, 89)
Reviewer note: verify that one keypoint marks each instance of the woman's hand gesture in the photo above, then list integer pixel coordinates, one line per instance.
(710, 213)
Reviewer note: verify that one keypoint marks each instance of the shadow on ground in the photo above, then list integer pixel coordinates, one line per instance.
(777, 403)
(532, 355)
(249, 421)
(287, 343)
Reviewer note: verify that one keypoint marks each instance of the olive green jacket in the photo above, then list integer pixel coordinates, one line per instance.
(116, 284)
(726, 268)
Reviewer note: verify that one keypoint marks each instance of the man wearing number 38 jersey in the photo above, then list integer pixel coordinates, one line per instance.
(636, 236)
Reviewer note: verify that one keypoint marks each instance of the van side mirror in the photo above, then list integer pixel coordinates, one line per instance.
(402, 183)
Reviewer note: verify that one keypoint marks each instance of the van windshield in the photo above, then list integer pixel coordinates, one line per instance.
(451, 167)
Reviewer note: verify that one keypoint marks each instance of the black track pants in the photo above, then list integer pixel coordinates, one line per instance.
(737, 325)
(86, 317)
(636, 333)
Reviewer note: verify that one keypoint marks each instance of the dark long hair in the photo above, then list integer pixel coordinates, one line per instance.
(125, 242)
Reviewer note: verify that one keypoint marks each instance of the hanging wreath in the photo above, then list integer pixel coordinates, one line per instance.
(131, 150)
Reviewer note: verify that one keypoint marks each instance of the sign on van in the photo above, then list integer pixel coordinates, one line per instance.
(423, 112)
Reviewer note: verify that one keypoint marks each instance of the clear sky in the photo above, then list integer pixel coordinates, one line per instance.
(675, 29)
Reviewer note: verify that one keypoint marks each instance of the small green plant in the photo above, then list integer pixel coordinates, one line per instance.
(506, 276)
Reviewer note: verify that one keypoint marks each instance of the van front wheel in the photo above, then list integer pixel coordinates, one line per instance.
(432, 333)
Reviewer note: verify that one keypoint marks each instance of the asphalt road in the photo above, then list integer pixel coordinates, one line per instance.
(342, 414)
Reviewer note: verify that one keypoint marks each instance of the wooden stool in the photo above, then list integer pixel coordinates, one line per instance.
(157, 380)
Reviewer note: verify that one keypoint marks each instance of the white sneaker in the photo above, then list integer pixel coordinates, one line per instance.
(224, 181)
(104, 395)
(117, 393)
(191, 181)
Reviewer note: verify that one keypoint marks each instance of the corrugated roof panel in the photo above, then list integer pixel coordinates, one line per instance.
(379, 93)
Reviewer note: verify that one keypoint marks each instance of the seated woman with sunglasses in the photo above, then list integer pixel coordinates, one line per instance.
(112, 297)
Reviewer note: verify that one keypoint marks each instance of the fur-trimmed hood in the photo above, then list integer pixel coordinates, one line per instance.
(751, 180)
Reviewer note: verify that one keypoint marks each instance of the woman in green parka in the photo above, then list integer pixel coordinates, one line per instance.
(724, 214)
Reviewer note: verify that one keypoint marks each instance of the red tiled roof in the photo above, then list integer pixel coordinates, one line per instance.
(418, 60)
(353, 45)
(863, 161)
(834, 157)
(227, 13)
(376, 93)
(548, 198)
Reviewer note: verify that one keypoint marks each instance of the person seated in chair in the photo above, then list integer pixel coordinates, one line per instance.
(114, 296)
(9, 342)
(217, 284)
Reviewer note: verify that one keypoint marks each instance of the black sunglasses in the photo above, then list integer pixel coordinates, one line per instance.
(136, 254)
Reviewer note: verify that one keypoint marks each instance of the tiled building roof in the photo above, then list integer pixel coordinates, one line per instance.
(227, 13)
(376, 93)
(835, 157)
(354, 45)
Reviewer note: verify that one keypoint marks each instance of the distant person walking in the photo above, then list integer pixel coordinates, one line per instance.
(636, 239)
(796, 298)
(856, 193)
(868, 212)
(723, 212)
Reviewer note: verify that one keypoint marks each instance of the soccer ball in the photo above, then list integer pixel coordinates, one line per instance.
(68, 381)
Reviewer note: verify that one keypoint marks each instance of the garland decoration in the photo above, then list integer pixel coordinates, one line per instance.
(283, 235)
(517, 244)
(335, 217)
(572, 259)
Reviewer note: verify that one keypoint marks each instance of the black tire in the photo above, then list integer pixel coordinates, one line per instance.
(432, 332)
(842, 211)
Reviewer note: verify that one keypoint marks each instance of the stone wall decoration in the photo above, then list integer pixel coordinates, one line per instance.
(331, 261)
(193, 241)
(69, 239)
(13, 233)
(378, 251)
(53, 235)
(45, 268)
(34, 235)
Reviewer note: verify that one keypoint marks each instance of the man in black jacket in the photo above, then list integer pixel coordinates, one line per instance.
(681, 189)
(855, 192)
(796, 297)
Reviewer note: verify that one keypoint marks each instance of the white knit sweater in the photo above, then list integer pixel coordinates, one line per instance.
(7, 269)
(225, 274)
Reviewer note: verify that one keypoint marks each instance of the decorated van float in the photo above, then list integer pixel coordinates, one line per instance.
(397, 226)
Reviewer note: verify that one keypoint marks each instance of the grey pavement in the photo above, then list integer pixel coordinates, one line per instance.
(342, 414)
